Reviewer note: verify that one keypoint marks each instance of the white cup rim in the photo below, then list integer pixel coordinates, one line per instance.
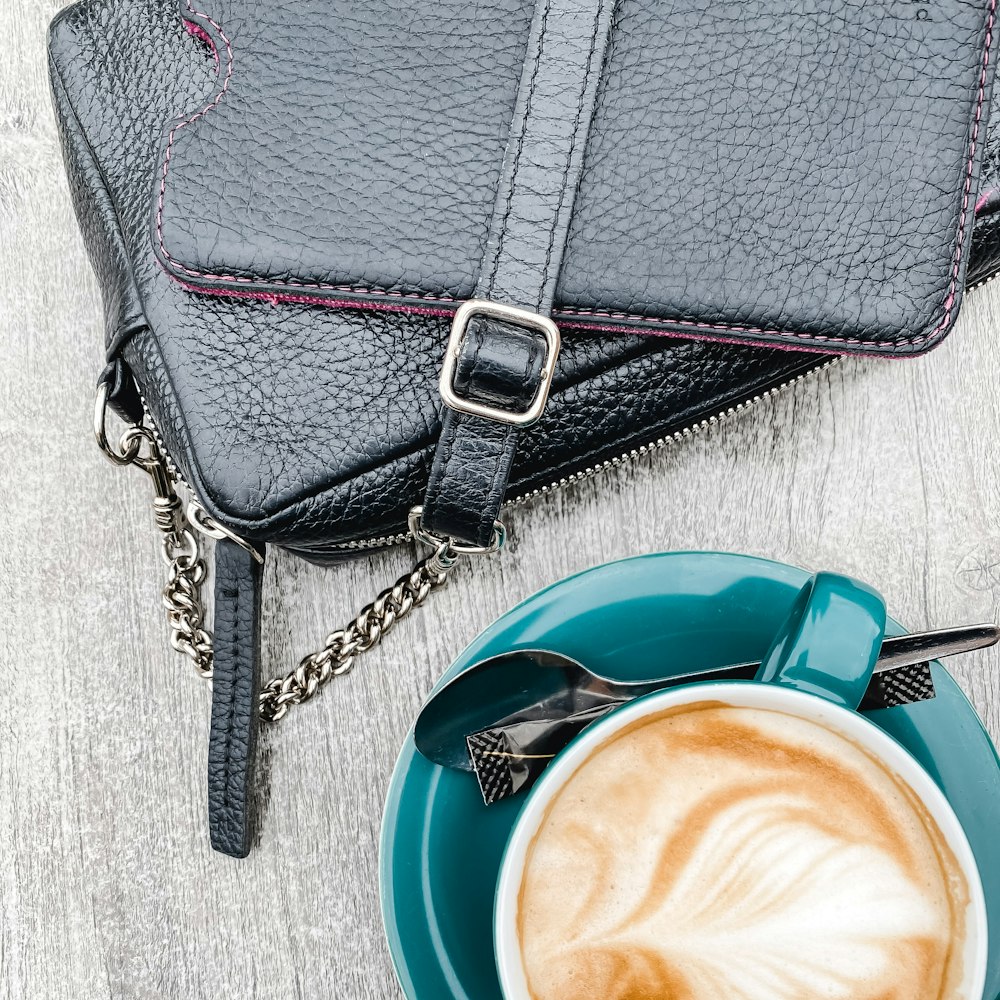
(744, 694)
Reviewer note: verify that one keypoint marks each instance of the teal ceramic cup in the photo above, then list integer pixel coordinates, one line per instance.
(817, 669)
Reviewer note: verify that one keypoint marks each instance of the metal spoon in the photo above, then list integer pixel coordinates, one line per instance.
(502, 685)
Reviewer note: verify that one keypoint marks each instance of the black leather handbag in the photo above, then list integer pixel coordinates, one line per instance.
(372, 270)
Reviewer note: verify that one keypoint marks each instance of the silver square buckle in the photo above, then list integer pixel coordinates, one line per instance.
(516, 317)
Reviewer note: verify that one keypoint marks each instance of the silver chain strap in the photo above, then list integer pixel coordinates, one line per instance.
(342, 647)
(187, 573)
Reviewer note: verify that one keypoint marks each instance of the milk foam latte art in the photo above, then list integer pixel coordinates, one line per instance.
(715, 850)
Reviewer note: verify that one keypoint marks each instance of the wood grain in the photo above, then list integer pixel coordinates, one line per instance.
(107, 886)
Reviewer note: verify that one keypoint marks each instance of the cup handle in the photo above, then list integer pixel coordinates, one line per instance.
(828, 644)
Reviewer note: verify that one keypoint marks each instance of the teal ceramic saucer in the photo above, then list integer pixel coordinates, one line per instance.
(642, 617)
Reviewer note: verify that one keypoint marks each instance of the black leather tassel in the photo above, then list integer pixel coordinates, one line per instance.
(235, 694)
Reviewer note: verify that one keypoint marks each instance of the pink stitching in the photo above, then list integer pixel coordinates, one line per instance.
(232, 277)
(873, 350)
(277, 298)
(188, 121)
(987, 198)
(983, 76)
(949, 300)
(203, 36)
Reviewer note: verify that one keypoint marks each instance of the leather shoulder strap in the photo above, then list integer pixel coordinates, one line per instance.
(499, 362)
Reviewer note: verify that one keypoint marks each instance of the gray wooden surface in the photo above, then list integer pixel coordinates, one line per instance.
(107, 886)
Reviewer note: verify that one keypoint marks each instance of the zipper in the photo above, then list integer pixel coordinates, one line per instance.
(982, 281)
(667, 440)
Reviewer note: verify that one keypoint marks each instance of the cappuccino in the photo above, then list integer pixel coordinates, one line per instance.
(717, 851)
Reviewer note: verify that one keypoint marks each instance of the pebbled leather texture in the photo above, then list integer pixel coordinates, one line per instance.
(542, 164)
(469, 477)
(312, 427)
(123, 395)
(768, 171)
(500, 366)
(984, 262)
(235, 696)
(521, 262)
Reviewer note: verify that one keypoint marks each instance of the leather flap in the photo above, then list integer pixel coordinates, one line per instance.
(772, 171)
